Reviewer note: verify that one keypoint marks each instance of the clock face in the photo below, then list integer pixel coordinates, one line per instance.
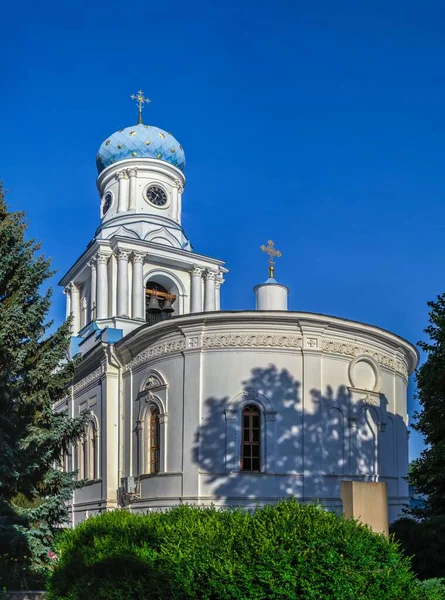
(156, 195)
(107, 203)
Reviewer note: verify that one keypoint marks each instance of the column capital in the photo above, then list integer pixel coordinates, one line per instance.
(196, 271)
(177, 184)
(122, 254)
(219, 281)
(72, 287)
(122, 174)
(93, 262)
(209, 274)
(132, 172)
(101, 259)
(137, 257)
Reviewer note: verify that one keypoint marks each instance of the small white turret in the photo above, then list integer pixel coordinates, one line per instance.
(271, 295)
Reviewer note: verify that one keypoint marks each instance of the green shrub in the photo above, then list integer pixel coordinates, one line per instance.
(432, 589)
(424, 541)
(280, 552)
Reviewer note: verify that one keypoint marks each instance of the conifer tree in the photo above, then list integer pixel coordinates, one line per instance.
(427, 473)
(34, 373)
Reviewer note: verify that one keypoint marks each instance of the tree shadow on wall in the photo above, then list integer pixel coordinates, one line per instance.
(303, 453)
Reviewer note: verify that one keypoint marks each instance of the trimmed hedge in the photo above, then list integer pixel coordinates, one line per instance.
(432, 589)
(284, 552)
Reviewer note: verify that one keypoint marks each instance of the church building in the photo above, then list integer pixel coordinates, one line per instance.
(193, 404)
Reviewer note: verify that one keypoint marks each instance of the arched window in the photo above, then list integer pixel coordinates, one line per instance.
(158, 302)
(155, 441)
(250, 448)
(92, 451)
(84, 457)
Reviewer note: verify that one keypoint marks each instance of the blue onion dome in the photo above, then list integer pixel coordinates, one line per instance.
(140, 141)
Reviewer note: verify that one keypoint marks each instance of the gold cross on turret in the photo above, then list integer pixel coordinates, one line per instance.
(272, 252)
(141, 100)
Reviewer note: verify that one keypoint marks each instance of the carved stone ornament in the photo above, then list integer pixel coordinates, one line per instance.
(178, 185)
(209, 274)
(102, 258)
(122, 254)
(196, 271)
(166, 348)
(92, 263)
(132, 172)
(138, 258)
(122, 175)
(152, 382)
(349, 349)
(371, 400)
(219, 281)
(268, 340)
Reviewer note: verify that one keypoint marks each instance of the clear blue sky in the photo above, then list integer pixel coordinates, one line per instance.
(318, 124)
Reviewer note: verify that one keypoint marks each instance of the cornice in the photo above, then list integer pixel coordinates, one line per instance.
(152, 165)
(335, 335)
(84, 260)
(89, 379)
(180, 258)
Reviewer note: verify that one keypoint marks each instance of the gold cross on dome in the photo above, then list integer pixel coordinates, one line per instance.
(141, 100)
(272, 252)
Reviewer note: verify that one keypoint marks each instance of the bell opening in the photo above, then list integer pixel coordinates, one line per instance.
(158, 302)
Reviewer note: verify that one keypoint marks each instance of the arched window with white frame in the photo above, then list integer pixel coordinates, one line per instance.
(155, 441)
(93, 449)
(250, 433)
(151, 426)
(251, 438)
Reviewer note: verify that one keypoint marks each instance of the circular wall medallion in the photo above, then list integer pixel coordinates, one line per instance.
(364, 374)
(156, 195)
(108, 201)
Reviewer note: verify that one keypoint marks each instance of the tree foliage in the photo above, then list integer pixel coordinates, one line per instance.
(427, 473)
(424, 541)
(34, 373)
(286, 551)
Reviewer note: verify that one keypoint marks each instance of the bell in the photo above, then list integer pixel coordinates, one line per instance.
(153, 305)
(168, 308)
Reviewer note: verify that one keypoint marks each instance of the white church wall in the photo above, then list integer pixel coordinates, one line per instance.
(88, 500)
(317, 428)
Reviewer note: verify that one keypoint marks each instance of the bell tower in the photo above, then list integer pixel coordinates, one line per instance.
(140, 265)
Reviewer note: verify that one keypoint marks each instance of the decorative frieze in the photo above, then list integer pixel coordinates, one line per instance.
(268, 340)
(166, 348)
(87, 380)
(349, 349)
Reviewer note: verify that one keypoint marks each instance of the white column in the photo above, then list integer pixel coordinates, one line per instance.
(102, 286)
(177, 199)
(67, 292)
(122, 177)
(209, 291)
(138, 287)
(132, 201)
(218, 282)
(84, 312)
(122, 282)
(196, 291)
(75, 307)
(93, 307)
